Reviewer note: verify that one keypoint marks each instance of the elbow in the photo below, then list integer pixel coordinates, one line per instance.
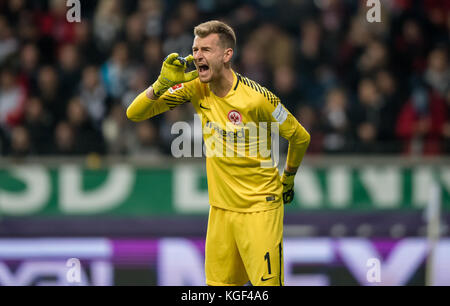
(303, 137)
(131, 116)
(307, 138)
(303, 141)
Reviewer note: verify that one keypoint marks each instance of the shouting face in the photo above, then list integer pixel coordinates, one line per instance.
(210, 57)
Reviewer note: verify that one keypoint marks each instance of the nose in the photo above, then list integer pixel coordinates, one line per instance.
(197, 56)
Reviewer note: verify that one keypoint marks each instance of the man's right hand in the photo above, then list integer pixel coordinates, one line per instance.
(173, 73)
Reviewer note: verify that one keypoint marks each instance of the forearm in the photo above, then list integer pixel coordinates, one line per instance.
(298, 144)
(145, 106)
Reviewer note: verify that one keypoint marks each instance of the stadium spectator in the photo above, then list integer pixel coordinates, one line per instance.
(87, 45)
(69, 70)
(189, 14)
(374, 57)
(87, 139)
(29, 59)
(393, 96)
(169, 118)
(49, 91)
(252, 63)
(437, 74)
(310, 54)
(309, 119)
(316, 66)
(26, 25)
(64, 140)
(369, 119)
(108, 22)
(13, 9)
(118, 133)
(152, 11)
(153, 56)
(182, 113)
(117, 71)
(335, 122)
(54, 23)
(39, 126)
(93, 95)
(278, 46)
(3, 143)
(421, 121)
(12, 100)
(286, 87)
(178, 38)
(147, 141)
(20, 142)
(310, 57)
(8, 41)
(135, 36)
(137, 84)
(410, 48)
(244, 18)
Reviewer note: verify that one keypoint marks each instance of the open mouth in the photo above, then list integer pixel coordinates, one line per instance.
(203, 68)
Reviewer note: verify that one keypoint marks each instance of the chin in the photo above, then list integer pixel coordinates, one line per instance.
(205, 79)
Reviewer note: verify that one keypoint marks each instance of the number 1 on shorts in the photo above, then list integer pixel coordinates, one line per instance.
(267, 257)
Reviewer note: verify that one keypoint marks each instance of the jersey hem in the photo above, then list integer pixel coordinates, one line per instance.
(246, 210)
(211, 283)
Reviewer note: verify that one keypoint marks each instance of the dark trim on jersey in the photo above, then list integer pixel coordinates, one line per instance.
(281, 260)
(176, 95)
(172, 100)
(273, 99)
(173, 105)
(237, 82)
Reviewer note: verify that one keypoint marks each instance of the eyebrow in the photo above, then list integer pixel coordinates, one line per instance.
(204, 47)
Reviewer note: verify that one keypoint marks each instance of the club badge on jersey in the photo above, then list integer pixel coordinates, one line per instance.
(235, 117)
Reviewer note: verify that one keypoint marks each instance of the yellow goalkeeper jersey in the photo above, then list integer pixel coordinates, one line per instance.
(237, 131)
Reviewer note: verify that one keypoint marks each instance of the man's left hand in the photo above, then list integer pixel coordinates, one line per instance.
(287, 179)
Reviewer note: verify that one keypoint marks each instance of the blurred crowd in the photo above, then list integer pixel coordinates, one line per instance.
(357, 87)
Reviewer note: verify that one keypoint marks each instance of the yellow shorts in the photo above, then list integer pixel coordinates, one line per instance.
(244, 246)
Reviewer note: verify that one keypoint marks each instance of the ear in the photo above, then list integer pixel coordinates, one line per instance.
(228, 54)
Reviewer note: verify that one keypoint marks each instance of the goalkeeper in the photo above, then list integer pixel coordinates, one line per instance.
(244, 239)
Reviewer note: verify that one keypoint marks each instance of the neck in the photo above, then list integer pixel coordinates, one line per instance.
(222, 85)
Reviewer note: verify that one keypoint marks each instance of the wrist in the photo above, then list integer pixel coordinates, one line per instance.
(150, 94)
(159, 88)
(288, 178)
(289, 173)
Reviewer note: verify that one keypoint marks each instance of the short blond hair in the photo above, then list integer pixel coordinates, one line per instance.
(225, 32)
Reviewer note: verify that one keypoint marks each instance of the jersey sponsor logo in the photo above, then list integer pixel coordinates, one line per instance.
(280, 114)
(234, 134)
(176, 87)
(235, 117)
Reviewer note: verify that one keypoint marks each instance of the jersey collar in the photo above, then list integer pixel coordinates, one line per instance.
(233, 87)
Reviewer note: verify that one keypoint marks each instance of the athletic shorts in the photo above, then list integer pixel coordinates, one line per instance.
(244, 246)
